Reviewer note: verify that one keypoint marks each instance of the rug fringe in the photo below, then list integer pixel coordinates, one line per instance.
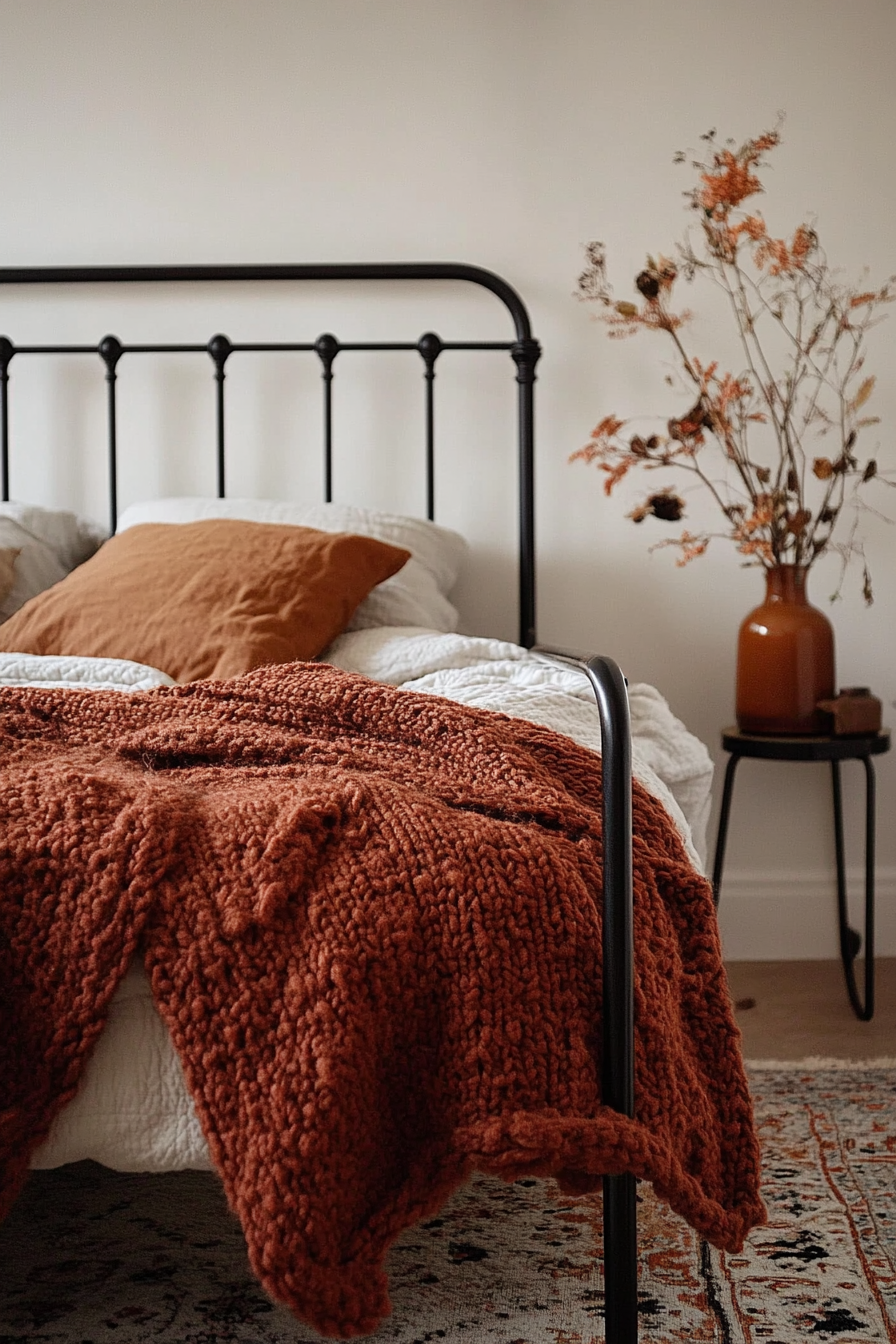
(822, 1062)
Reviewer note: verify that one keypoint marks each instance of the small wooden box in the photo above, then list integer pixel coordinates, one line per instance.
(855, 711)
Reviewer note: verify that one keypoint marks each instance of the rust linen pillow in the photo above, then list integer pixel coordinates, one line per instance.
(206, 599)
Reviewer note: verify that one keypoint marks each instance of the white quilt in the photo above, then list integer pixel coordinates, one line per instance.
(133, 1111)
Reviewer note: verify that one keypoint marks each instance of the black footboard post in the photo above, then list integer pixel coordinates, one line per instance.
(618, 1061)
(618, 1025)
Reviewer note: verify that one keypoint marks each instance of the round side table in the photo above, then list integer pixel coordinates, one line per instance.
(826, 748)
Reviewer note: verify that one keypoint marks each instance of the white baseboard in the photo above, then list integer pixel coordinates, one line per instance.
(793, 917)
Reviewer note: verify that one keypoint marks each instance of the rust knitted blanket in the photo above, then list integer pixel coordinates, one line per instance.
(370, 921)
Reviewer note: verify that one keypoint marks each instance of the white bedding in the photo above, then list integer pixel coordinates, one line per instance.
(133, 1111)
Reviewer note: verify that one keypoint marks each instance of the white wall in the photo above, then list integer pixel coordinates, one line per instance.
(506, 133)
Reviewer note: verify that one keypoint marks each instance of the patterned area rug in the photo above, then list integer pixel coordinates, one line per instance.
(91, 1256)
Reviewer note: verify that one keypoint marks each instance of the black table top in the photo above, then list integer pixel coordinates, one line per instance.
(822, 747)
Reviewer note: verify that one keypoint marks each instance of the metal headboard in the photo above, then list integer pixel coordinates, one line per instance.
(524, 351)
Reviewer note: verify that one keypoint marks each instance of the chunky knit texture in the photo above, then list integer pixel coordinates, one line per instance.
(370, 921)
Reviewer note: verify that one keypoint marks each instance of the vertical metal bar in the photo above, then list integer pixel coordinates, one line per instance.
(526, 354)
(219, 348)
(430, 347)
(430, 446)
(110, 351)
(327, 348)
(7, 350)
(618, 1078)
(618, 1025)
(620, 1259)
(618, 1007)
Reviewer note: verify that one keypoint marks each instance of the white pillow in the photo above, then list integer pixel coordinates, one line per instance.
(416, 595)
(51, 542)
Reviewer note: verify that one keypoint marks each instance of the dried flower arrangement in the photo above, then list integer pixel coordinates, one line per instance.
(747, 435)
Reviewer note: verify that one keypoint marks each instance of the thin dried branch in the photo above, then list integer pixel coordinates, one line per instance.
(752, 439)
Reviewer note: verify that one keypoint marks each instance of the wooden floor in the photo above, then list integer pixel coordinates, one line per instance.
(795, 1009)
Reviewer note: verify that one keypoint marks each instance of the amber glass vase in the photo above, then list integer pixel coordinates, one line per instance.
(785, 659)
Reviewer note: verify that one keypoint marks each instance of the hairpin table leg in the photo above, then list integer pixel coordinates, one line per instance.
(850, 939)
(719, 860)
(823, 747)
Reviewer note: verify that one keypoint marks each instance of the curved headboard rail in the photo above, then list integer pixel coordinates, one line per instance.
(524, 350)
(400, 270)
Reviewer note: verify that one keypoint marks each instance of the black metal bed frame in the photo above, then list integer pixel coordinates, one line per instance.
(607, 682)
